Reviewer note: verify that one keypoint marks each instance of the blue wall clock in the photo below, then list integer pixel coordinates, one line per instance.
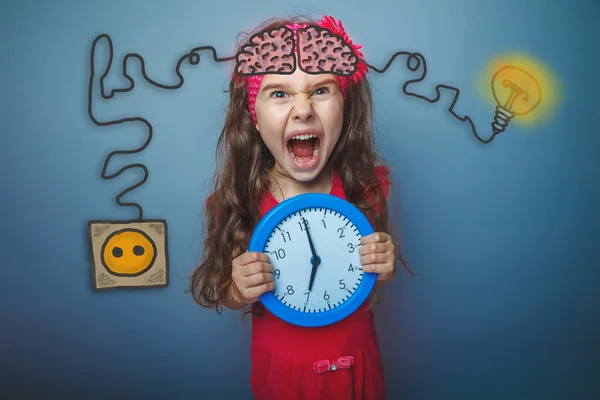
(312, 241)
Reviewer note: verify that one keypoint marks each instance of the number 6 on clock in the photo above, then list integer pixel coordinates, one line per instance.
(312, 240)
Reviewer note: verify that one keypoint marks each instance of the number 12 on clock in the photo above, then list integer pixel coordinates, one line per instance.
(313, 241)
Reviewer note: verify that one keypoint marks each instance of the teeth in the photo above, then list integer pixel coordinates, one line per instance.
(304, 137)
(314, 154)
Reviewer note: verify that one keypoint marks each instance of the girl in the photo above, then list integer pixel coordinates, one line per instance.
(286, 134)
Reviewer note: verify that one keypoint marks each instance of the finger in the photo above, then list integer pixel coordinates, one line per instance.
(240, 273)
(376, 247)
(258, 279)
(253, 256)
(256, 291)
(376, 258)
(384, 269)
(256, 268)
(375, 237)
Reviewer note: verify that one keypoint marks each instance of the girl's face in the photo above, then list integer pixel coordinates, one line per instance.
(299, 118)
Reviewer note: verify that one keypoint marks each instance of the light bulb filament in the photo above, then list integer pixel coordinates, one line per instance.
(515, 92)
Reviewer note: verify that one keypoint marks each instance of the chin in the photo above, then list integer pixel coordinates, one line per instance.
(305, 176)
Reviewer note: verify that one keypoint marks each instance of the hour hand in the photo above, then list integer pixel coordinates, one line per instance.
(315, 264)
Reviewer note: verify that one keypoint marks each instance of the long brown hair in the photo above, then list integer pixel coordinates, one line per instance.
(242, 176)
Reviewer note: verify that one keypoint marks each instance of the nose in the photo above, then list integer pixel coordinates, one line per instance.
(302, 109)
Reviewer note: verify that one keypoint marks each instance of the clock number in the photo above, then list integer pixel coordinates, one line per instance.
(342, 284)
(290, 290)
(288, 235)
(341, 231)
(326, 296)
(277, 273)
(350, 268)
(324, 226)
(279, 254)
(307, 297)
(351, 248)
(303, 224)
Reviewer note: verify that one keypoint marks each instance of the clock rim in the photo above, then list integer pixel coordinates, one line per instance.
(281, 211)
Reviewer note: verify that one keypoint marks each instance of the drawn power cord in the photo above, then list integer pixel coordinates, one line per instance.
(134, 253)
(506, 76)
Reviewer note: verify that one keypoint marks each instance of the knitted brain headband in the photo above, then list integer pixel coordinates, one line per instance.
(316, 49)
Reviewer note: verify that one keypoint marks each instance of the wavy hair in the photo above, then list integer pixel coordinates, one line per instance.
(242, 176)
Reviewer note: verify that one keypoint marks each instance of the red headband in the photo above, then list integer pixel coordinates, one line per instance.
(320, 49)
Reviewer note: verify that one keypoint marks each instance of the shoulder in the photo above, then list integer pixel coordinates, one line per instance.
(209, 199)
(382, 174)
(210, 206)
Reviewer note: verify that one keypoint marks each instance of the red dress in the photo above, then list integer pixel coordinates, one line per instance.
(338, 361)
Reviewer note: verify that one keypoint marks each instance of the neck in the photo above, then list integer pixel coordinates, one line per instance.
(284, 186)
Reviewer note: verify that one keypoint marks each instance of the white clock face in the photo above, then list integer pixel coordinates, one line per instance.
(336, 242)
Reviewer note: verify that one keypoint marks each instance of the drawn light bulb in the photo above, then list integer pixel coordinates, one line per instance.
(516, 93)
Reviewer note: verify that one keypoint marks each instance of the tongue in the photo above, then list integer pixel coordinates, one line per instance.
(303, 148)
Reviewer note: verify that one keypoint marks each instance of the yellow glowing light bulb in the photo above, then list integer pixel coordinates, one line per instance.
(516, 93)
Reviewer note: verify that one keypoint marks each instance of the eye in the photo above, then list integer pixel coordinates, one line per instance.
(322, 90)
(278, 93)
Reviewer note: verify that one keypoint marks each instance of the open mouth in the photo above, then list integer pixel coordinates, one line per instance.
(304, 149)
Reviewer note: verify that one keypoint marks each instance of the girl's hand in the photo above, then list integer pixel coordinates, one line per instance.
(377, 255)
(252, 276)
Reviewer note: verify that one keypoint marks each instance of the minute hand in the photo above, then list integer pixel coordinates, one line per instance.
(315, 259)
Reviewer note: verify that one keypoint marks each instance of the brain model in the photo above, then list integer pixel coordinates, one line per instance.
(268, 52)
(322, 51)
(274, 51)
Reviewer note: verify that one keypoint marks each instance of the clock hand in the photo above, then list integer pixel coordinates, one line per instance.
(312, 247)
(315, 259)
(315, 264)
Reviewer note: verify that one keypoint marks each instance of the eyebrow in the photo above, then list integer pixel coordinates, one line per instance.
(317, 84)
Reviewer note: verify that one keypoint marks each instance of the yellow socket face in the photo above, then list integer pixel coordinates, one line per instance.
(129, 252)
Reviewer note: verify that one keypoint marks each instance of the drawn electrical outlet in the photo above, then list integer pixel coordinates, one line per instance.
(129, 254)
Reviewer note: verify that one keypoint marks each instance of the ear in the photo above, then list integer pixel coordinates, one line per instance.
(257, 127)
